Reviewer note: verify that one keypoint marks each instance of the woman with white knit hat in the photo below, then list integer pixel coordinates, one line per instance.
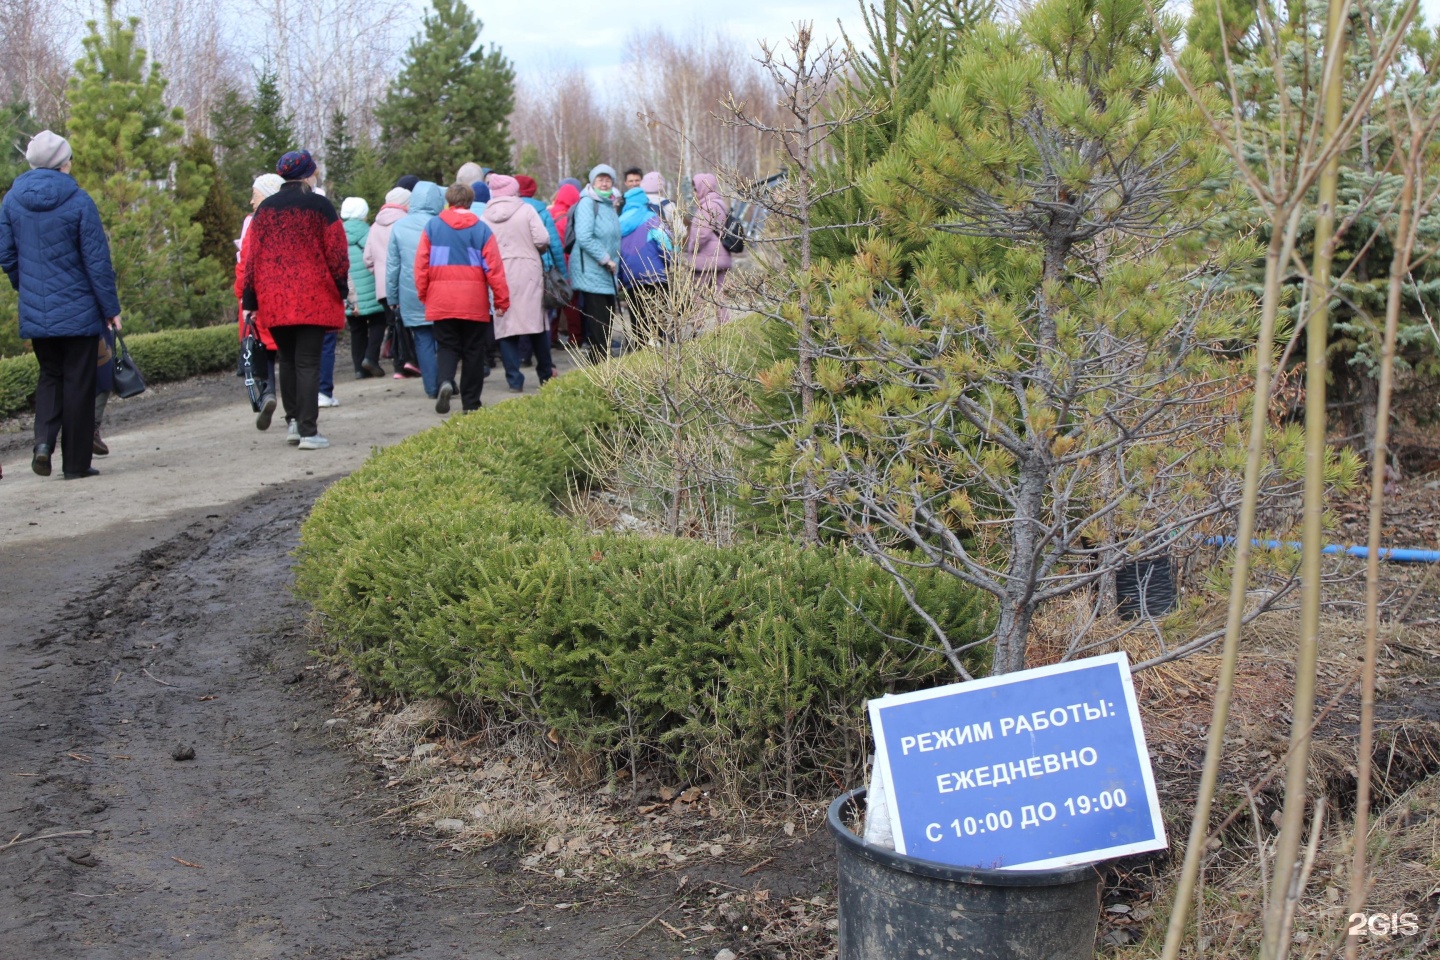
(264, 187)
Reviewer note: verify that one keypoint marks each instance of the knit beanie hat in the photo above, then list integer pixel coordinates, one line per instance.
(572, 182)
(600, 168)
(47, 151)
(469, 173)
(296, 165)
(398, 197)
(267, 184)
(354, 208)
(503, 186)
(653, 182)
(407, 182)
(482, 191)
(528, 186)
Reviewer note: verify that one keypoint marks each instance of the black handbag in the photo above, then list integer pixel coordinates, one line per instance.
(252, 364)
(128, 381)
(558, 292)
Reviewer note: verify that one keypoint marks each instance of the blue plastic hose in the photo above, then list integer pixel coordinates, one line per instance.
(1393, 554)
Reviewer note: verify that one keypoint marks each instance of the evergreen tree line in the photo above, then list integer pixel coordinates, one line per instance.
(173, 202)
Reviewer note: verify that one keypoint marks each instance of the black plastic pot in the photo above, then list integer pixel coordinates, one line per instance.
(1145, 588)
(894, 907)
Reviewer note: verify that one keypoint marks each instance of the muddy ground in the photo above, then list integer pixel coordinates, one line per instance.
(127, 643)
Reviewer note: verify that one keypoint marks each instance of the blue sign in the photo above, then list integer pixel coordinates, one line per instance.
(1029, 770)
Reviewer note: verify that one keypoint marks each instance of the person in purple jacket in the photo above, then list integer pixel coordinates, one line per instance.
(54, 250)
(645, 253)
(708, 256)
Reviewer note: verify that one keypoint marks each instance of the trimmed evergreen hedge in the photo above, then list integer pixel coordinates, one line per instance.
(445, 570)
(162, 357)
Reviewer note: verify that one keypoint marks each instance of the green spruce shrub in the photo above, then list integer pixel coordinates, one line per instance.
(445, 569)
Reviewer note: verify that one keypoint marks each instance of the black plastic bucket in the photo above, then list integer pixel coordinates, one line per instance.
(894, 907)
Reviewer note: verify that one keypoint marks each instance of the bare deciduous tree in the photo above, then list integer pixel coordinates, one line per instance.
(34, 60)
(560, 128)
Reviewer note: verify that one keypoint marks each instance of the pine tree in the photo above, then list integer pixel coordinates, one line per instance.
(911, 45)
(341, 156)
(233, 127)
(127, 154)
(370, 178)
(452, 100)
(272, 127)
(219, 216)
(1041, 389)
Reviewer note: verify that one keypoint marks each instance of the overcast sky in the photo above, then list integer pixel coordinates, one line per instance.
(543, 33)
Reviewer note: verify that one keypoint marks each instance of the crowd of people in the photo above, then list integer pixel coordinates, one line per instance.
(449, 283)
(445, 283)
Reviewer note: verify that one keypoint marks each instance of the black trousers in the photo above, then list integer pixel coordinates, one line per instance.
(65, 398)
(402, 343)
(366, 334)
(462, 343)
(598, 311)
(300, 347)
(492, 347)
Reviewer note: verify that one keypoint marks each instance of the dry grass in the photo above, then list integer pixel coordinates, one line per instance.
(1405, 864)
(1176, 702)
(516, 786)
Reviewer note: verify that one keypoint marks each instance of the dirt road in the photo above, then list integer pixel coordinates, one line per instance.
(145, 613)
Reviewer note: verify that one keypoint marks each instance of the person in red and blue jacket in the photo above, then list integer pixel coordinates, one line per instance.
(457, 271)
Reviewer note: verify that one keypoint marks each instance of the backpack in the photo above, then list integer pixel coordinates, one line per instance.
(568, 241)
(732, 238)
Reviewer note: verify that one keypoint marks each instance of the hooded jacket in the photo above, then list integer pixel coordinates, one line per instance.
(53, 249)
(377, 244)
(555, 255)
(296, 261)
(597, 239)
(711, 211)
(644, 243)
(426, 201)
(565, 199)
(521, 236)
(362, 281)
(458, 267)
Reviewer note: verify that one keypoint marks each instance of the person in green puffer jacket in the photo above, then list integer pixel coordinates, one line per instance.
(362, 311)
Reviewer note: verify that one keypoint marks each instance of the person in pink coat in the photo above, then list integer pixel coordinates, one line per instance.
(375, 257)
(522, 236)
(708, 258)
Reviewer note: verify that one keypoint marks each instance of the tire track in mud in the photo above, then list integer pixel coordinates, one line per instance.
(262, 846)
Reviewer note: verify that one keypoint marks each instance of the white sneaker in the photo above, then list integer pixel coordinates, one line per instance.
(316, 442)
(328, 401)
(292, 435)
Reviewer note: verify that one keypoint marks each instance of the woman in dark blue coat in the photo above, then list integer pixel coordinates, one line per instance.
(53, 249)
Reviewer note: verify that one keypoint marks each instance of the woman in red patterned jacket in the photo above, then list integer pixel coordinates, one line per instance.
(295, 265)
(457, 271)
